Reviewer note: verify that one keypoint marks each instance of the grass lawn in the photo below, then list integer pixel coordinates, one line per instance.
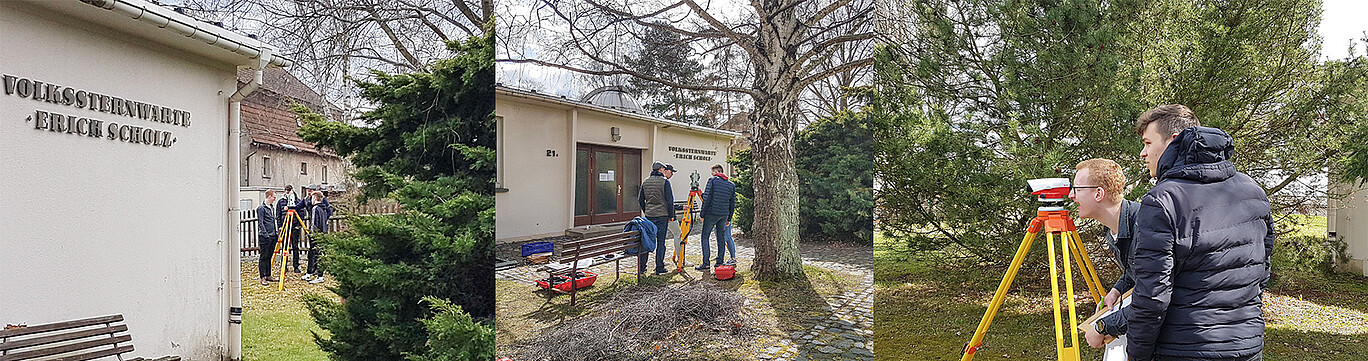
(275, 324)
(776, 308)
(926, 309)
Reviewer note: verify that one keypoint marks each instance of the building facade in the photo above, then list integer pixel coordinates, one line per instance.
(273, 153)
(1347, 219)
(118, 145)
(580, 163)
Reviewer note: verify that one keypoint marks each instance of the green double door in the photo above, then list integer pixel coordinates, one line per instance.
(607, 180)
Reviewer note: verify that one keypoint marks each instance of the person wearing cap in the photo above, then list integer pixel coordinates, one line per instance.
(657, 204)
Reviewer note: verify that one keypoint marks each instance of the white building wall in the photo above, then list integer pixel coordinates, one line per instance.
(685, 166)
(1348, 218)
(537, 202)
(540, 187)
(92, 226)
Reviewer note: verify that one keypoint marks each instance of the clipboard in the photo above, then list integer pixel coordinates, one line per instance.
(1089, 324)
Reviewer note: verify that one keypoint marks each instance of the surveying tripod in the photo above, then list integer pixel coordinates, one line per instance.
(1054, 221)
(290, 216)
(687, 222)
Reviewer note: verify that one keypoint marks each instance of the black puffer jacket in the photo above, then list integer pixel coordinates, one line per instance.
(1203, 238)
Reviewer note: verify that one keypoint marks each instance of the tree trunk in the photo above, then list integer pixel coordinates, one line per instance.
(774, 123)
(777, 256)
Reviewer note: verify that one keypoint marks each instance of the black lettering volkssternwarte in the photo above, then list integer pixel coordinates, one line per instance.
(83, 99)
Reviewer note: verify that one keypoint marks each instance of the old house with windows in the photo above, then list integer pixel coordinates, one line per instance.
(273, 153)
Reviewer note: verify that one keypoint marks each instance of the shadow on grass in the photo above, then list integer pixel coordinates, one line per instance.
(556, 306)
(928, 310)
(797, 305)
(1289, 344)
(1345, 290)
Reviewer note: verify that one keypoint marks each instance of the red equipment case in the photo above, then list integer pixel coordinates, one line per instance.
(724, 272)
(563, 283)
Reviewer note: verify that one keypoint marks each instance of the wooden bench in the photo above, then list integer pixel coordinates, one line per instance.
(573, 252)
(76, 340)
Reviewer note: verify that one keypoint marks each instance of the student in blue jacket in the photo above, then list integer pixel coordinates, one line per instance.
(719, 203)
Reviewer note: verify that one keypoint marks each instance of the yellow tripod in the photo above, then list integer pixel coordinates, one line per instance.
(290, 216)
(687, 222)
(1057, 225)
(685, 225)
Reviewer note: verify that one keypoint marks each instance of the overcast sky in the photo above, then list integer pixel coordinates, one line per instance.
(1342, 20)
(1341, 23)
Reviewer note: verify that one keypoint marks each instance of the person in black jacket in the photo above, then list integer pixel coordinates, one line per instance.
(319, 211)
(1099, 186)
(1203, 238)
(290, 201)
(267, 223)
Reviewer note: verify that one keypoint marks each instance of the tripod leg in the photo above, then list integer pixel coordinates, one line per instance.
(1072, 352)
(1085, 266)
(1001, 295)
(304, 235)
(1054, 299)
(281, 235)
(284, 257)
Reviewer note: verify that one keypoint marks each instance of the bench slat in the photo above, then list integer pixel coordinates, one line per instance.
(583, 250)
(98, 354)
(17, 344)
(67, 348)
(610, 250)
(163, 358)
(596, 263)
(60, 325)
(599, 238)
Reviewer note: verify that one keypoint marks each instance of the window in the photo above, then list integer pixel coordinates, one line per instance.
(499, 151)
(325, 174)
(303, 168)
(266, 167)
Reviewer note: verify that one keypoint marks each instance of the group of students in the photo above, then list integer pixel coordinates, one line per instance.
(656, 200)
(1194, 250)
(273, 216)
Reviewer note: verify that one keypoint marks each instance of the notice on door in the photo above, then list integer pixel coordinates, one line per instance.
(606, 176)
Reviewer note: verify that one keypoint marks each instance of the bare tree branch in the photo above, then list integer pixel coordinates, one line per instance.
(838, 69)
(631, 73)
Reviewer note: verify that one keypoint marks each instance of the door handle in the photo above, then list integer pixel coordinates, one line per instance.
(619, 190)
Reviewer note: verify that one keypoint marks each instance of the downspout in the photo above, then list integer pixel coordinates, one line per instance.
(234, 251)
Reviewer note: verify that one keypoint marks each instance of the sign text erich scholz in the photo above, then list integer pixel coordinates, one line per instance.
(95, 128)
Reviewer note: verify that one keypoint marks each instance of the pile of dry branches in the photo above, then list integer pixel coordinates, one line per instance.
(625, 327)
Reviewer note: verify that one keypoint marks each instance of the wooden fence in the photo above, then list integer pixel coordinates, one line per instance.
(247, 227)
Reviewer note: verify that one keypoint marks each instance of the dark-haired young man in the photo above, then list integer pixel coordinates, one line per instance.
(1203, 237)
